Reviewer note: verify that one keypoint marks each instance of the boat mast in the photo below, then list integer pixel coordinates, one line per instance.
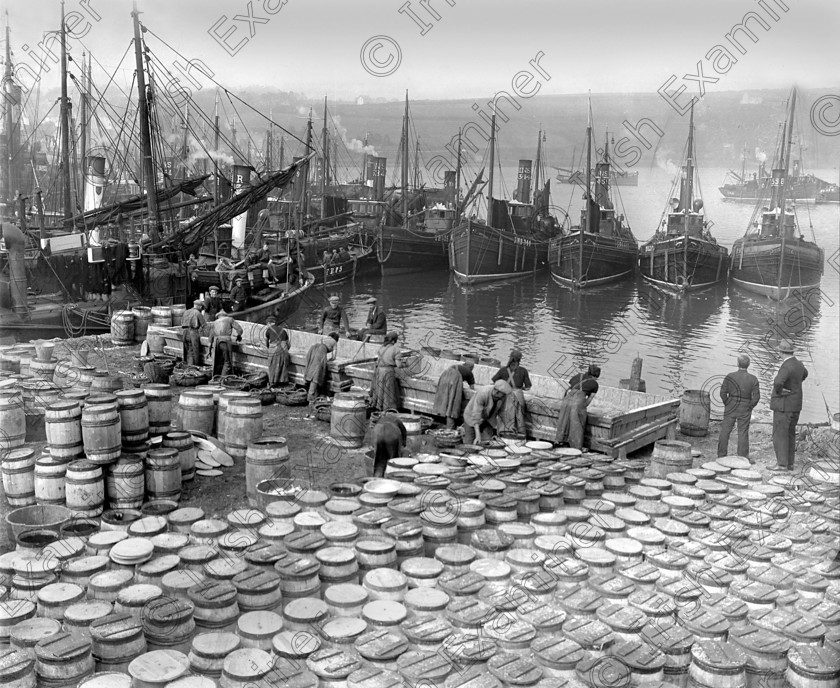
(184, 154)
(65, 125)
(492, 166)
(145, 133)
(588, 224)
(324, 163)
(458, 177)
(785, 163)
(84, 119)
(305, 181)
(269, 142)
(689, 190)
(404, 166)
(539, 162)
(6, 149)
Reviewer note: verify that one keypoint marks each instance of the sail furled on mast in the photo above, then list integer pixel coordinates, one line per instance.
(190, 236)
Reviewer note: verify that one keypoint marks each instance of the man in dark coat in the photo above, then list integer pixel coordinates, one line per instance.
(238, 296)
(191, 322)
(389, 438)
(376, 322)
(739, 393)
(786, 403)
(213, 303)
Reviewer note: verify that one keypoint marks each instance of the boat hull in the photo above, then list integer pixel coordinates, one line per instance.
(281, 308)
(401, 251)
(755, 266)
(807, 188)
(605, 260)
(55, 319)
(661, 263)
(479, 253)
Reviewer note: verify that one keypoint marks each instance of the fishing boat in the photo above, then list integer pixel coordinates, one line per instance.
(602, 248)
(419, 241)
(512, 241)
(773, 258)
(566, 175)
(801, 187)
(682, 255)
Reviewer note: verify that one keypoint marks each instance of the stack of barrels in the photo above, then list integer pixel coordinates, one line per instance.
(234, 417)
(527, 566)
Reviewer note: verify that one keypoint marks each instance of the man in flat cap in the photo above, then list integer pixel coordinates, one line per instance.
(376, 322)
(238, 296)
(786, 403)
(334, 318)
(739, 393)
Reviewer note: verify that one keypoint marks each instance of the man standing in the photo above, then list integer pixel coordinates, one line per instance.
(334, 317)
(238, 296)
(221, 340)
(739, 394)
(213, 303)
(376, 322)
(786, 403)
(191, 322)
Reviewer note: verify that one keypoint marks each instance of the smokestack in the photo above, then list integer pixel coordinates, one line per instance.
(601, 190)
(94, 182)
(449, 188)
(378, 176)
(523, 182)
(241, 180)
(17, 269)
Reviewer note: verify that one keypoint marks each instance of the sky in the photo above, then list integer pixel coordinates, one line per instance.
(455, 48)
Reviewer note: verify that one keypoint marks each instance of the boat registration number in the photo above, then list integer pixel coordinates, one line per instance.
(521, 241)
(335, 270)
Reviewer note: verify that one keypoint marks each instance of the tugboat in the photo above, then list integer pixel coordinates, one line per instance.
(602, 248)
(773, 258)
(683, 255)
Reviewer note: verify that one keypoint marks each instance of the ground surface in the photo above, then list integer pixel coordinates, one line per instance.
(316, 461)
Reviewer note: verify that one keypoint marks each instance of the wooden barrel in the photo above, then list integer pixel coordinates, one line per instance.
(101, 430)
(49, 480)
(134, 416)
(162, 316)
(18, 468)
(122, 328)
(63, 426)
(265, 459)
(38, 394)
(178, 310)
(224, 399)
(348, 420)
(63, 660)
(142, 320)
(695, 406)
(12, 418)
(669, 456)
(183, 442)
(243, 425)
(163, 474)
(86, 374)
(196, 411)
(125, 482)
(159, 404)
(102, 382)
(84, 488)
(158, 668)
(43, 370)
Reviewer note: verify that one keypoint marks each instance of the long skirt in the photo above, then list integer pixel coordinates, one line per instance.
(278, 364)
(389, 438)
(571, 419)
(449, 394)
(385, 392)
(512, 413)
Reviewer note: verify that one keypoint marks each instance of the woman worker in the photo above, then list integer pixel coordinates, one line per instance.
(480, 414)
(315, 373)
(278, 352)
(512, 414)
(385, 391)
(449, 394)
(571, 419)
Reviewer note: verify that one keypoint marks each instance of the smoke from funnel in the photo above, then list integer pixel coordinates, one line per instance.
(353, 145)
(760, 155)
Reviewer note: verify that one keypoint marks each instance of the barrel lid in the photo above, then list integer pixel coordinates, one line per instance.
(421, 567)
(166, 611)
(62, 647)
(491, 570)
(309, 520)
(384, 612)
(753, 591)
(344, 629)
(820, 662)
(342, 506)
(385, 580)
(639, 656)
(262, 553)
(510, 631)
(181, 580)
(374, 677)
(758, 641)
(427, 629)
(621, 618)
(345, 595)
(426, 599)
(791, 624)
(186, 515)
(169, 542)
(375, 546)
(596, 556)
(499, 598)
(282, 509)
(159, 566)
(381, 644)
(216, 592)
(487, 540)
(14, 665)
(458, 583)
(276, 531)
(304, 541)
(335, 555)
(623, 547)
(652, 603)
(30, 631)
(703, 622)
(116, 628)
(567, 568)
(305, 610)
(715, 655)
(456, 555)
(83, 613)
(247, 664)
(330, 663)
(632, 517)
(32, 566)
(208, 528)
(224, 568)
(708, 575)
(138, 594)
(292, 567)
(294, 645)
(183, 682)
(132, 550)
(259, 624)
(514, 670)
(159, 666)
(105, 539)
(824, 611)
(417, 665)
(60, 594)
(215, 645)
(667, 636)
(692, 519)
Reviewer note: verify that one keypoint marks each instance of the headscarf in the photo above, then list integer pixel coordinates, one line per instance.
(391, 337)
(515, 355)
(594, 370)
(329, 342)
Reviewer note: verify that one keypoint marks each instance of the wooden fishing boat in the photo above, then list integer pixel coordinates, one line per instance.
(773, 258)
(800, 187)
(602, 248)
(682, 255)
